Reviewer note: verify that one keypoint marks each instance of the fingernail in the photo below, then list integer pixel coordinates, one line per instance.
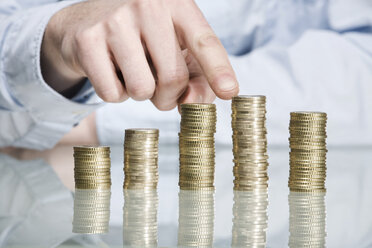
(227, 86)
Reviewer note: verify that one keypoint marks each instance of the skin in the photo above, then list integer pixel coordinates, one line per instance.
(161, 50)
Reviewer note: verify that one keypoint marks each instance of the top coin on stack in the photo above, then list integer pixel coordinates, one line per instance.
(249, 142)
(308, 151)
(92, 167)
(141, 158)
(196, 146)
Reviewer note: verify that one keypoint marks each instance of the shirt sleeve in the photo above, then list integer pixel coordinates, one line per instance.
(245, 25)
(33, 115)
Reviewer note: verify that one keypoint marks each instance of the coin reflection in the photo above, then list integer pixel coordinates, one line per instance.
(91, 211)
(196, 218)
(140, 227)
(307, 219)
(250, 218)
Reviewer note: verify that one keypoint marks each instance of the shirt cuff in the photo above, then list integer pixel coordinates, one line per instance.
(22, 48)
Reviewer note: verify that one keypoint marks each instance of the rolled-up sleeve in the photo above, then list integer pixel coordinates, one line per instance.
(32, 114)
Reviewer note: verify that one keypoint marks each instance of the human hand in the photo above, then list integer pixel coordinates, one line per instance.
(162, 50)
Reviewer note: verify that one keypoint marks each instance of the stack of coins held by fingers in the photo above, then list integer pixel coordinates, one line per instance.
(92, 167)
(140, 226)
(249, 142)
(196, 146)
(141, 158)
(91, 211)
(196, 218)
(250, 218)
(307, 219)
(308, 151)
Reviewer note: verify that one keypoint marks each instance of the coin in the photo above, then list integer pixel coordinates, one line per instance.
(308, 151)
(92, 167)
(141, 158)
(249, 142)
(196, 146)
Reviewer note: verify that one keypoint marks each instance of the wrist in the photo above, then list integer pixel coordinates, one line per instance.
(56, 72)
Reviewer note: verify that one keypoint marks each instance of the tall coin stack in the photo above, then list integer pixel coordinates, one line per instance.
(91, 211)
(307, 219)
(250, 218)
(308, 151)
(141, 158)
(196, 146)
(196, 218)
(249, 142)
(140, 226)
(92, 167)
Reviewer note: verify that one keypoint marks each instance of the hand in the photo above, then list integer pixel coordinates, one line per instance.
(163, 50)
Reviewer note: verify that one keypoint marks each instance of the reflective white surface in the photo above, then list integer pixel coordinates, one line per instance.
(36, 208)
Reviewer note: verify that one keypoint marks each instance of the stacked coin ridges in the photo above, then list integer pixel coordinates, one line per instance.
(91, 211)
(307, 219)
(92, 167)
(196, 218)
(249, 142)
(250, 218)
(308, 151)
(196, 146)
(140, 226)
(141, 158)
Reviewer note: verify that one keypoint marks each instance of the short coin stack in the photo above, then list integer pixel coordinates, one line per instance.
(91, 211)
(249, 142)
(308, 151)
(196, 146)
(307, 219)
(92, 167)
(141, 158)
(250, 218)
(196, 218)
(140, 226)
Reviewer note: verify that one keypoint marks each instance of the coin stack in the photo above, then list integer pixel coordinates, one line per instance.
(196, 146)
(91, 211)
(308, 151)
(141, 158)
(307, 219)
(249, 142)
(196, 218)
(140, 226)
(92, 167)
(250, 218)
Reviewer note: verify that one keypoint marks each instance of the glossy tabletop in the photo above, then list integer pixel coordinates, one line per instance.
(37, 205)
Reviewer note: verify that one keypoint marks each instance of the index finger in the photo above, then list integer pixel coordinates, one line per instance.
(196, 34)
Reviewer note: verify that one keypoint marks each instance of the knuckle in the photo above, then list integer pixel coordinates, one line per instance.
(141, 91)
(174, 77)
(87, 37)
(116, 20)
(222, 70)
(110, 95)
(113, 23)
(141, 5)
(207, 40)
